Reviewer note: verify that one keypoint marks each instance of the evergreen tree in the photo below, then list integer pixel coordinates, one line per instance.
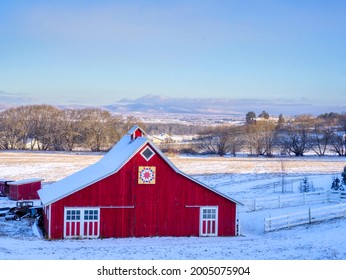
(250, 117)
(306, 186)
(336, 185)
(264, 115)
(343, 177)
(281, 118)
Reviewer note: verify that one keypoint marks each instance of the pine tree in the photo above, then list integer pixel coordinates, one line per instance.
(336, 184)
(343, 177)
(250, 117)
(264, 115)
(305, 185)
(281, 118)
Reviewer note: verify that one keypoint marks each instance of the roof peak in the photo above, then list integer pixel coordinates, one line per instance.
(136, 131)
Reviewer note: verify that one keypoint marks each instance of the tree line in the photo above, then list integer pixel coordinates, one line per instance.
(264, 136)
(45, 127)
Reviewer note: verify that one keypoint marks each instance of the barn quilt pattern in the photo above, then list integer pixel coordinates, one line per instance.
(146, 174)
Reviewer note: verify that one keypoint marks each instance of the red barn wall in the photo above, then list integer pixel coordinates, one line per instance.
(3, 188)
(24, 191)
(170, 207)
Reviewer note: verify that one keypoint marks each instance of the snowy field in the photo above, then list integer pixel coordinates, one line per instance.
(244, 179)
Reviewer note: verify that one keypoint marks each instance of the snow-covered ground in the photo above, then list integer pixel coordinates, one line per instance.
(319, 241)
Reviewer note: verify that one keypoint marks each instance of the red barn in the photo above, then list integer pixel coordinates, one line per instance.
(135, 191)
(24, 189)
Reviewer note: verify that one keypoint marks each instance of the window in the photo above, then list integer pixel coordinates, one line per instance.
(209, 213)
(72, 215)
(147, 153)
(91, 215)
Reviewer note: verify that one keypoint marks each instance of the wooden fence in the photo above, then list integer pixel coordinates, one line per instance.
(304, 217)
(287, 200)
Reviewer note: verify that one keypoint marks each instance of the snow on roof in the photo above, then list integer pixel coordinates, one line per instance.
(134, 128)
(113, 161)
(25, 181)
(2, 180)
(106, 166)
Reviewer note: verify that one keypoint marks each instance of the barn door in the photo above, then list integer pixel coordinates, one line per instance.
(72, 223)
(82, 222)
(91, 223)
(208, 221)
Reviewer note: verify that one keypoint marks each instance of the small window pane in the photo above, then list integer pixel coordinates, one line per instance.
(147, 153)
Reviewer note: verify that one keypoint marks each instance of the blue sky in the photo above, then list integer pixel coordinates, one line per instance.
(98, 52)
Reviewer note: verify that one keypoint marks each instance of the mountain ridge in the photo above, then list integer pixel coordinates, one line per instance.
(221, 106)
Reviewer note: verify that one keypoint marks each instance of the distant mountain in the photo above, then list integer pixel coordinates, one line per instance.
(216, 106)
(13, 99)
(163, 104)
(198, 107)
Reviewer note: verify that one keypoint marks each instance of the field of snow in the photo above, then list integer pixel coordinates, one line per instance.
(240, 178)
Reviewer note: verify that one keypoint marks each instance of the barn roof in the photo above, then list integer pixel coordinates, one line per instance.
(111, 163)
(25, 181)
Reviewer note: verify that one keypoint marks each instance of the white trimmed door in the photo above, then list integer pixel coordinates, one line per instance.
(82, 222)
(208, 221)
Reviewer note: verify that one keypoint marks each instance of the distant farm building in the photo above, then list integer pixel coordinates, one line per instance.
(135, 191)
(165, 138)
(24, 189)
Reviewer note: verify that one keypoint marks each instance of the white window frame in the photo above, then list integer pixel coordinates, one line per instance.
(83, 218)
(208, 219)
(142, 153)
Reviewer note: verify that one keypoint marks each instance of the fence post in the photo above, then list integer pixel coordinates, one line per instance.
(270, 221)
(288, 220)
(267, 223)
(341, 212)
(254, 204)
(309, 215)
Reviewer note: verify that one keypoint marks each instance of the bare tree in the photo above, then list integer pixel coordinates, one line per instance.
(295, 137)
(220, 140)
(261, 138)
(321, 136)
(94, 128)
(236, 139)
(70, 134)
(14, 128)
(46, 121)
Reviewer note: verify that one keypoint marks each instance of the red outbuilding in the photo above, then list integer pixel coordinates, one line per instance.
(4, 187)
(135, 191)
(24, 189)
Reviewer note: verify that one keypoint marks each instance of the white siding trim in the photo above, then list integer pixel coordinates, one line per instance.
(49, 221)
